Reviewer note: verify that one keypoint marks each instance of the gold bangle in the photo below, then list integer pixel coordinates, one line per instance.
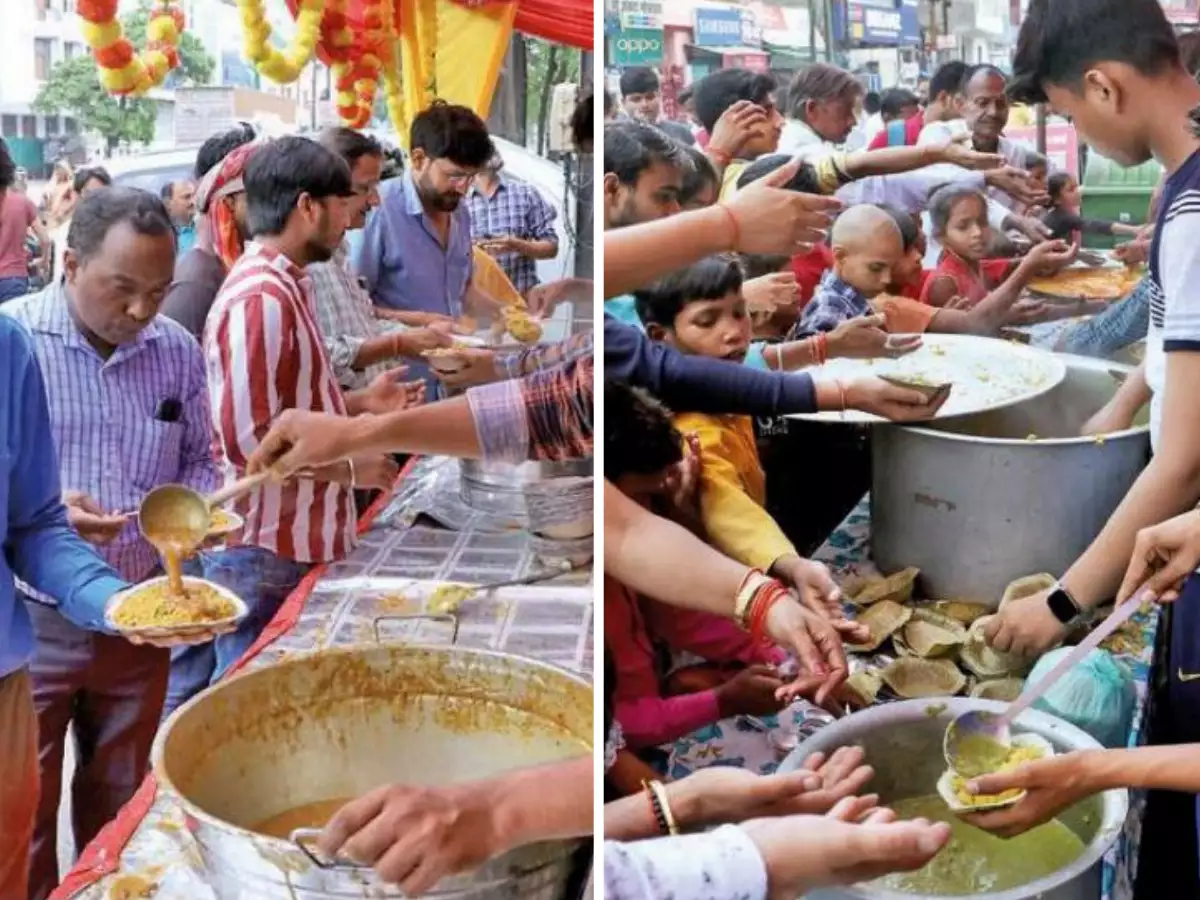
(660, 794)
(353, 474)
(753, 582)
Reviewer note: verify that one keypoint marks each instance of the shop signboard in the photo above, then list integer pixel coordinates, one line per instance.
(892, 23)
(638, 47)
(640, 14)
(718, 26)
(1062, 144)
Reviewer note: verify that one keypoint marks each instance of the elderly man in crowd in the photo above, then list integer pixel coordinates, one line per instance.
(180, 200)
(129, 412)
(512, 221)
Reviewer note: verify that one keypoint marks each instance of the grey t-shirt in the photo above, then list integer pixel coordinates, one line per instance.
(198, 278)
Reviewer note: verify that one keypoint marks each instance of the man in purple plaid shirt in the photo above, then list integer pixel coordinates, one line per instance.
(513, 222)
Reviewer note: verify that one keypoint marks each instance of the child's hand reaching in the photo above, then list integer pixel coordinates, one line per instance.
(866, 337)
(1050, 257)
(682, 486)
(1026, 312)
(751, 692)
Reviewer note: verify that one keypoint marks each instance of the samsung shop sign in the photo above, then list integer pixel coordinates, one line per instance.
(883, 22)
(718, 27)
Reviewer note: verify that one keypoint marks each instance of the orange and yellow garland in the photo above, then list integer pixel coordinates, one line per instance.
(282, 67)
(124, 71)
(395, 43)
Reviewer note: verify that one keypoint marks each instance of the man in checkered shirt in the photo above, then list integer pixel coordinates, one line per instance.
(513, 222)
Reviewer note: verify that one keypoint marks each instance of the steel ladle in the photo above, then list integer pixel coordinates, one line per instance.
(177, 519)
(996, 729)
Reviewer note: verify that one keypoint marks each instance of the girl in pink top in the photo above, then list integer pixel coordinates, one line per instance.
(644, 457)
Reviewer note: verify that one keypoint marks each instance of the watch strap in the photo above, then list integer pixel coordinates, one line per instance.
(1062, 605)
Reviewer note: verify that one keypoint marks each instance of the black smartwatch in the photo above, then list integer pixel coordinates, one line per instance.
(1063, 605)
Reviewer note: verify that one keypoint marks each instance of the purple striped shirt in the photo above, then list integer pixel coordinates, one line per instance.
(104, 415)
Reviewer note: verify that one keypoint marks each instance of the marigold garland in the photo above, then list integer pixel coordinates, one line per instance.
(392, 85)
(123, 71)
(282, 67)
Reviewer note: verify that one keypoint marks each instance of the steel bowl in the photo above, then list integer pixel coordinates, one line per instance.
(903, 742)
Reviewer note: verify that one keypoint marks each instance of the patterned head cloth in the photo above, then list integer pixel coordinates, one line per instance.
(224, 180)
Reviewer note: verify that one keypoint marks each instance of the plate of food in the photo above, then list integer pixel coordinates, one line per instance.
(224, 523)
(1087, 283)
(151, 610)
(982, 374)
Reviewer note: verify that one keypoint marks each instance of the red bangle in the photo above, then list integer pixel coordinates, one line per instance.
(719, 156)
(761, 606)
(733, 223)
(823, 344)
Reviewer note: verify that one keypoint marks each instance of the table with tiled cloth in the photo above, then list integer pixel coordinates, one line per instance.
(405, 550)
(743, 743)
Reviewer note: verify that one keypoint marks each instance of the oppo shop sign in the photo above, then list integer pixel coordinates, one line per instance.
(638, 47)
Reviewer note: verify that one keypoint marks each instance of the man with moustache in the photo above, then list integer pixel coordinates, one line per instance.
(416, 253)
(361, 346)
(264, 355)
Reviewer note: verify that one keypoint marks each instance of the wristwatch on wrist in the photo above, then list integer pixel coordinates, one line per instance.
(1062, 605)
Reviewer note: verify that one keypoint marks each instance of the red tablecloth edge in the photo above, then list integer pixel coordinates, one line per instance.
(102, 856)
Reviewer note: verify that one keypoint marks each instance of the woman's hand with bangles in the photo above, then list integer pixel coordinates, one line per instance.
(814, 641)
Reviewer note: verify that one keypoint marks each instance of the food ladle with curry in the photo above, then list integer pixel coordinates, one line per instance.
(176, 520)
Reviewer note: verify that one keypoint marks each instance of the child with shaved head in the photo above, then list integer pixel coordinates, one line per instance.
(867, 246)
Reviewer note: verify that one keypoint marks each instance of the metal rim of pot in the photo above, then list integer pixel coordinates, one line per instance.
(1058, 731)
(1071, 360)
(519, 862)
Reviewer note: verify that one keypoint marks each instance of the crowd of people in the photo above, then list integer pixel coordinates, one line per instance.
(178, 328)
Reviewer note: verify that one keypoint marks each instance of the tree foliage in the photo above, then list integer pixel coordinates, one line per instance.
(545, 66)
(74, 89)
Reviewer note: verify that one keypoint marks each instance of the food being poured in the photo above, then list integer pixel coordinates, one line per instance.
(976, 862)
(156, 605)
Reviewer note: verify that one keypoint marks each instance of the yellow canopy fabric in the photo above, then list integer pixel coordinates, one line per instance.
(451, 52)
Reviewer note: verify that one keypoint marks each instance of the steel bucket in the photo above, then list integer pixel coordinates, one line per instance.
(903, 742)
(339, 723)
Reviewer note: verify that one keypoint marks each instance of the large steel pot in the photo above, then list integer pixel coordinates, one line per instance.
(975, 503)
(903, 742)
(498, 488)
(339, 723)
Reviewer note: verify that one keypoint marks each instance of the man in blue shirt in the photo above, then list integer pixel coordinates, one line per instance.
(416, 248)
(180, 199)
(42, 550)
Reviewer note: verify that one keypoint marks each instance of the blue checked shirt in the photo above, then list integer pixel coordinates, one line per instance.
(1122, 324)
(516, 209)
(104, 416)
(833, 303)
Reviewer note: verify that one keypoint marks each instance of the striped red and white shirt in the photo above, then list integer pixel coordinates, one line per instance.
(263, 352)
